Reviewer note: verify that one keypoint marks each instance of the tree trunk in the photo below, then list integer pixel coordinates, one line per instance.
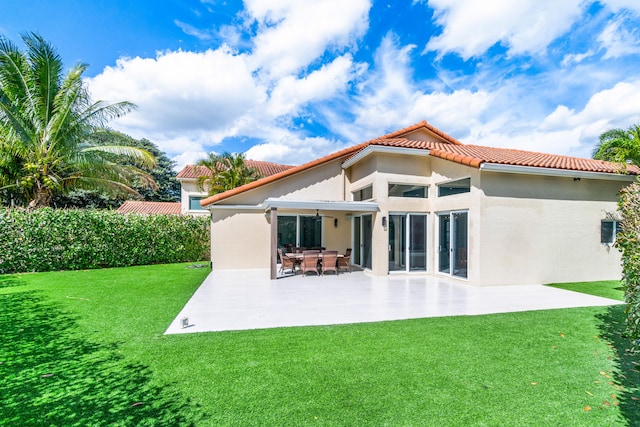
(42, 199)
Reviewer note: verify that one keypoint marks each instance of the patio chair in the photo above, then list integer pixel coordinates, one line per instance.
(309, 262)
(329, 260)
(286, 263)
(344, 263)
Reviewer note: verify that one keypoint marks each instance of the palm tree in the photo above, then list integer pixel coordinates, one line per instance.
(47, 120)
(226, 171)
(619, 145)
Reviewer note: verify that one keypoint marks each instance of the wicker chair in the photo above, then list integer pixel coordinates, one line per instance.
(309, 262)
(286, 263)
(344, 263)
(329, 260)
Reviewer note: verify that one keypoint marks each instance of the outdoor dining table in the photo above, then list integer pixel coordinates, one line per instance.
(299, 256)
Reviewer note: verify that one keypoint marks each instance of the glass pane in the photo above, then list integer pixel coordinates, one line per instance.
(357, 240)
(403, 190)
(444, 242)
(397, 242)
(418, 243)
(460, 244)
(287, 231)
(310, 231)
(367, 227)
(454, 187)
(194, 203)
(606, 232)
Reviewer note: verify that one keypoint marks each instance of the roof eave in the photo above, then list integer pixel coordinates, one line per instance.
(531, 170)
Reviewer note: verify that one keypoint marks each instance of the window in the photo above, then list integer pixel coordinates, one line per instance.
(365, 193)
(608, 231)
(194, 203)
(408, 190)
(454, 187)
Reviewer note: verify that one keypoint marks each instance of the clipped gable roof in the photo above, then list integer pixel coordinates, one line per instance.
(447, 148)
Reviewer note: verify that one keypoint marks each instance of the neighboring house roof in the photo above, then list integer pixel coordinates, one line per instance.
(450, 149)
(264, 168)
(150, 208)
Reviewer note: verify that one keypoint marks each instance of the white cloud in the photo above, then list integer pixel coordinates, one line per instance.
(291, 93)
(566, 130)
(294, 33)
(617, 40)
(471, 27)
(293, 150)
(180, 91)
(616, 5)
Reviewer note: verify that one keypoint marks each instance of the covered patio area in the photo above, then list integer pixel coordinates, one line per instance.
(246, 299)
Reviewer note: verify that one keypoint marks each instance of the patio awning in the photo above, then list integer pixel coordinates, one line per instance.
(325, 205)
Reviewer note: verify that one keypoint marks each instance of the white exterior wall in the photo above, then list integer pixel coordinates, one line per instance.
(550, 235)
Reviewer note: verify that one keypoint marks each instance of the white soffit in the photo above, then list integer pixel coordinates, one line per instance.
(370, 149)
(321, 205)
(530, 170)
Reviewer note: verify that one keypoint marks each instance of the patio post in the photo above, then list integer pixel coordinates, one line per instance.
(274, 243)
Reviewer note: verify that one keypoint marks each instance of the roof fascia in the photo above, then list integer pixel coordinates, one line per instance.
(370, 149)
(320, 204)
(530, 170)
(233, 207)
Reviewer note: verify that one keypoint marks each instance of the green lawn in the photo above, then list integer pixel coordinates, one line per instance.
(87, 348)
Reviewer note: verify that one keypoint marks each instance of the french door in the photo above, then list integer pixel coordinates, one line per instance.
(407, 242)
(362, 231)
(453, 238)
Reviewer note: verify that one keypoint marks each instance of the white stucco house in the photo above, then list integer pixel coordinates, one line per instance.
(417, 201)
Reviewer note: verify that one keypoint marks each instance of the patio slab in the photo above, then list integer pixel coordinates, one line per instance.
(246, 299)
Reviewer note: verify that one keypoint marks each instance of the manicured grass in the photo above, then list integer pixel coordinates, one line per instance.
(608, 289)
(87, 348)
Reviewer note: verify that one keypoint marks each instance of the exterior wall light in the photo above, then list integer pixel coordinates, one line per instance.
(384, 223)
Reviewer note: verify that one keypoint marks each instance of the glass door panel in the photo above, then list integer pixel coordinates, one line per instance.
(444, 243)
(460, 225)
(367, 229)
(397, 242)
(418, 243)
(310, 231)
(357, 240)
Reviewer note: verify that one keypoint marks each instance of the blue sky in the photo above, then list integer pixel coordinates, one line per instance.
(291, 80)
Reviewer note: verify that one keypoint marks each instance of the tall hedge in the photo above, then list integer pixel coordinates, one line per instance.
(52, 239)
(628, 240)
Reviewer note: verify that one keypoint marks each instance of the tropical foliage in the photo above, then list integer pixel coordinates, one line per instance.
(73, 239)
(227, 171)
(47, 119)
(619, 145)
(167, 186)
(628, 242)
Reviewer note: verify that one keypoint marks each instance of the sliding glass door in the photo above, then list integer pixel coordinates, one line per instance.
(407, 242)
(362, 231)
(453, 238)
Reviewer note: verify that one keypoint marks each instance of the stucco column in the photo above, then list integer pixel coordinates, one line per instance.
(274, 243)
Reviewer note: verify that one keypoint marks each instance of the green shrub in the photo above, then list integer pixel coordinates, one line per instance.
(628, 240)
(52, 239)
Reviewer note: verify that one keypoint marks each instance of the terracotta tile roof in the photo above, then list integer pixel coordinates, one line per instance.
(265, 169)
(449, 149)
(476, 155)
(150, 208)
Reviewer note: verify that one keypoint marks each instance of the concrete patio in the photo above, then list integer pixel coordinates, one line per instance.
(246, 299)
